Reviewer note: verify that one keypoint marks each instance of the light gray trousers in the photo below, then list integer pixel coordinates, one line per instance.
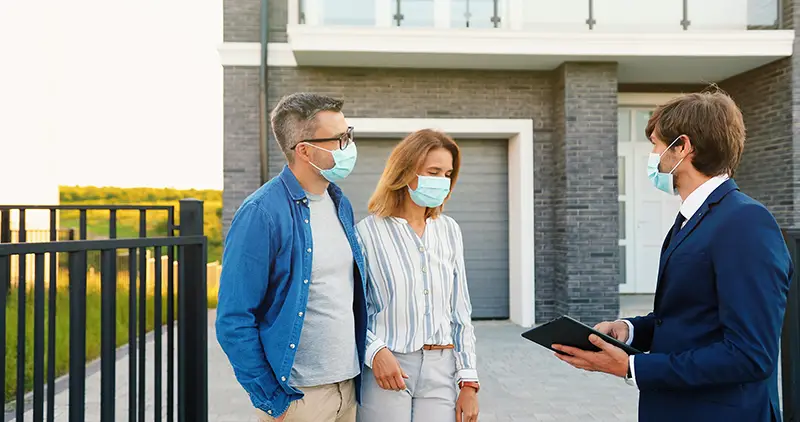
(431, 390)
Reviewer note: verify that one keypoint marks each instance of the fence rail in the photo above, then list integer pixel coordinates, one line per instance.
(185, 255)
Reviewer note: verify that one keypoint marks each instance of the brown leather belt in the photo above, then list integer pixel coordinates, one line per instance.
(437, 346)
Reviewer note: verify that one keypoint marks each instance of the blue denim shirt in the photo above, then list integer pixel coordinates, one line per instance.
(264, 289)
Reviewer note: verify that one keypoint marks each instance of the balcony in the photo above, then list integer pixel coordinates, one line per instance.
(664, 41)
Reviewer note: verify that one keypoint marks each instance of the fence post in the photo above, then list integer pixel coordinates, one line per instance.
(192, 319)
(790, 337)
(5, 237)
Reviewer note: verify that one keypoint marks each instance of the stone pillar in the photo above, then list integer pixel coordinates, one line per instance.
(586, 205)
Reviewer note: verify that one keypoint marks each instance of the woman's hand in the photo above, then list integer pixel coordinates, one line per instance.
(467, 405)
(387, 371)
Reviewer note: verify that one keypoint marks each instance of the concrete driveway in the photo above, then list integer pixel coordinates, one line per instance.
(520, 381)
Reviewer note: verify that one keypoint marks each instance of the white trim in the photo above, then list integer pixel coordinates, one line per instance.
(249, 54)
(644, 99)
(293, 12)
(519, 134)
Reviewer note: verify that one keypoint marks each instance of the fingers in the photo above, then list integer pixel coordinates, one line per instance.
(603, 327)
(597, 341)
(392, 382)
(401, 385)
(576, 362)
(404, 375)
(574, 351)
(458, 411)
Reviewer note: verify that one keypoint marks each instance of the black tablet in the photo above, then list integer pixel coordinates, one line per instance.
(570, 332)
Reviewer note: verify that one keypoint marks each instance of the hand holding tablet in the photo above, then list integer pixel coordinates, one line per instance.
(570, 332)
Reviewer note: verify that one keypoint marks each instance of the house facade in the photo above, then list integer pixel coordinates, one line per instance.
(548, 101)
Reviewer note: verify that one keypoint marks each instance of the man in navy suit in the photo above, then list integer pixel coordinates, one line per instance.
(723, 279)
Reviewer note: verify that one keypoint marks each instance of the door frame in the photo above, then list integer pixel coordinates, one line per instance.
(634, 100)
(519, 135)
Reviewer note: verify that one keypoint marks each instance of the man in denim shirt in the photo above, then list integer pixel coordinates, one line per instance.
(292, 312)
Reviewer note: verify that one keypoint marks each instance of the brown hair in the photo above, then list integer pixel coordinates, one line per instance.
(713, 123)
(401, 170)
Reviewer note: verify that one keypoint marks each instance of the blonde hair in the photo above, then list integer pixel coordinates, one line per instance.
(401, 170)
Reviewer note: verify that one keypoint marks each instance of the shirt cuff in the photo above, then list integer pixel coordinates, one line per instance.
(633, 371)
(630, 332)
(467, 374)
(372, 350)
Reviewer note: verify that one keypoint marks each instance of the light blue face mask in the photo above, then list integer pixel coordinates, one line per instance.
(431, 191)
(344, 160)
(662, 181)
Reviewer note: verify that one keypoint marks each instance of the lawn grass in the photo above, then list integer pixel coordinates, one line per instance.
(128, 220)
(93, 340)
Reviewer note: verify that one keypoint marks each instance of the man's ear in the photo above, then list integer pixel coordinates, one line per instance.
(301, 151)
(686, 146)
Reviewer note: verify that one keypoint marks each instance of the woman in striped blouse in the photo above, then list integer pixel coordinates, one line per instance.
(420, 341)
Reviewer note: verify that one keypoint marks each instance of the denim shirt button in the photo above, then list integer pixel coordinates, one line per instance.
(308, 250)
(305, 281)
(283, 379)
(291, 346)
(299, 314)
(269, 411)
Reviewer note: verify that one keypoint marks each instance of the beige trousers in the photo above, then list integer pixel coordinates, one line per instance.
(325, 403)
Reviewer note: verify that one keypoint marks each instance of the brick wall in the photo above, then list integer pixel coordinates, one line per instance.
(769, 98)
(401, 93)
(767, 169)
(240, 160)
(241, 20)
(575, 211)
(586, 206)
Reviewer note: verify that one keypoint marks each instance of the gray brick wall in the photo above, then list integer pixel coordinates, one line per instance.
(240, 130)
(241, 20)
(769, 98)
(575, 212)
(586, 205)
(767, 169)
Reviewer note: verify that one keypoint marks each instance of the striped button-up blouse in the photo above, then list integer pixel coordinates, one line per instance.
(417, 289)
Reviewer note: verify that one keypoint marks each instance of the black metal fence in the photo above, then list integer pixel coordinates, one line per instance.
(790, 341)
(189, 296)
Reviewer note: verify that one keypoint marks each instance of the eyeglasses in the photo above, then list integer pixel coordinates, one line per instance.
(345, 139)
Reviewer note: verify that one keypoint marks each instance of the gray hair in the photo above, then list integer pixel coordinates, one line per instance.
(293, 118)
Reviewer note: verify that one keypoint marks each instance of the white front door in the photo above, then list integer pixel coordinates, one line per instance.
(646, 214)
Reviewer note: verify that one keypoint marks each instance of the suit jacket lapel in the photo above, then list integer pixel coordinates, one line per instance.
(671, 244)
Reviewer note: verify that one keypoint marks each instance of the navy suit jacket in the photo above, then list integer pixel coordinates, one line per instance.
(713, 336)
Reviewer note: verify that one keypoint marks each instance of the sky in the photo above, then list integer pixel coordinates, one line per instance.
(110, 93)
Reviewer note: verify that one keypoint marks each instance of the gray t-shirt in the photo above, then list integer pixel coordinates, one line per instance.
(327, 351)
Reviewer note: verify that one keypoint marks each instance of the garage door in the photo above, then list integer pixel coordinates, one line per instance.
(479, 204)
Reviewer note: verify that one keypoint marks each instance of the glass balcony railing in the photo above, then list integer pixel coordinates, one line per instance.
(413, 13)
(650, 15)
(474, 14)
(645, 16)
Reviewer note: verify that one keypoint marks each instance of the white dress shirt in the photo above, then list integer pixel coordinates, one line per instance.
(689, 206)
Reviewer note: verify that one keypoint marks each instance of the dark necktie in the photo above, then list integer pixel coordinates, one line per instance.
(679, 219)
